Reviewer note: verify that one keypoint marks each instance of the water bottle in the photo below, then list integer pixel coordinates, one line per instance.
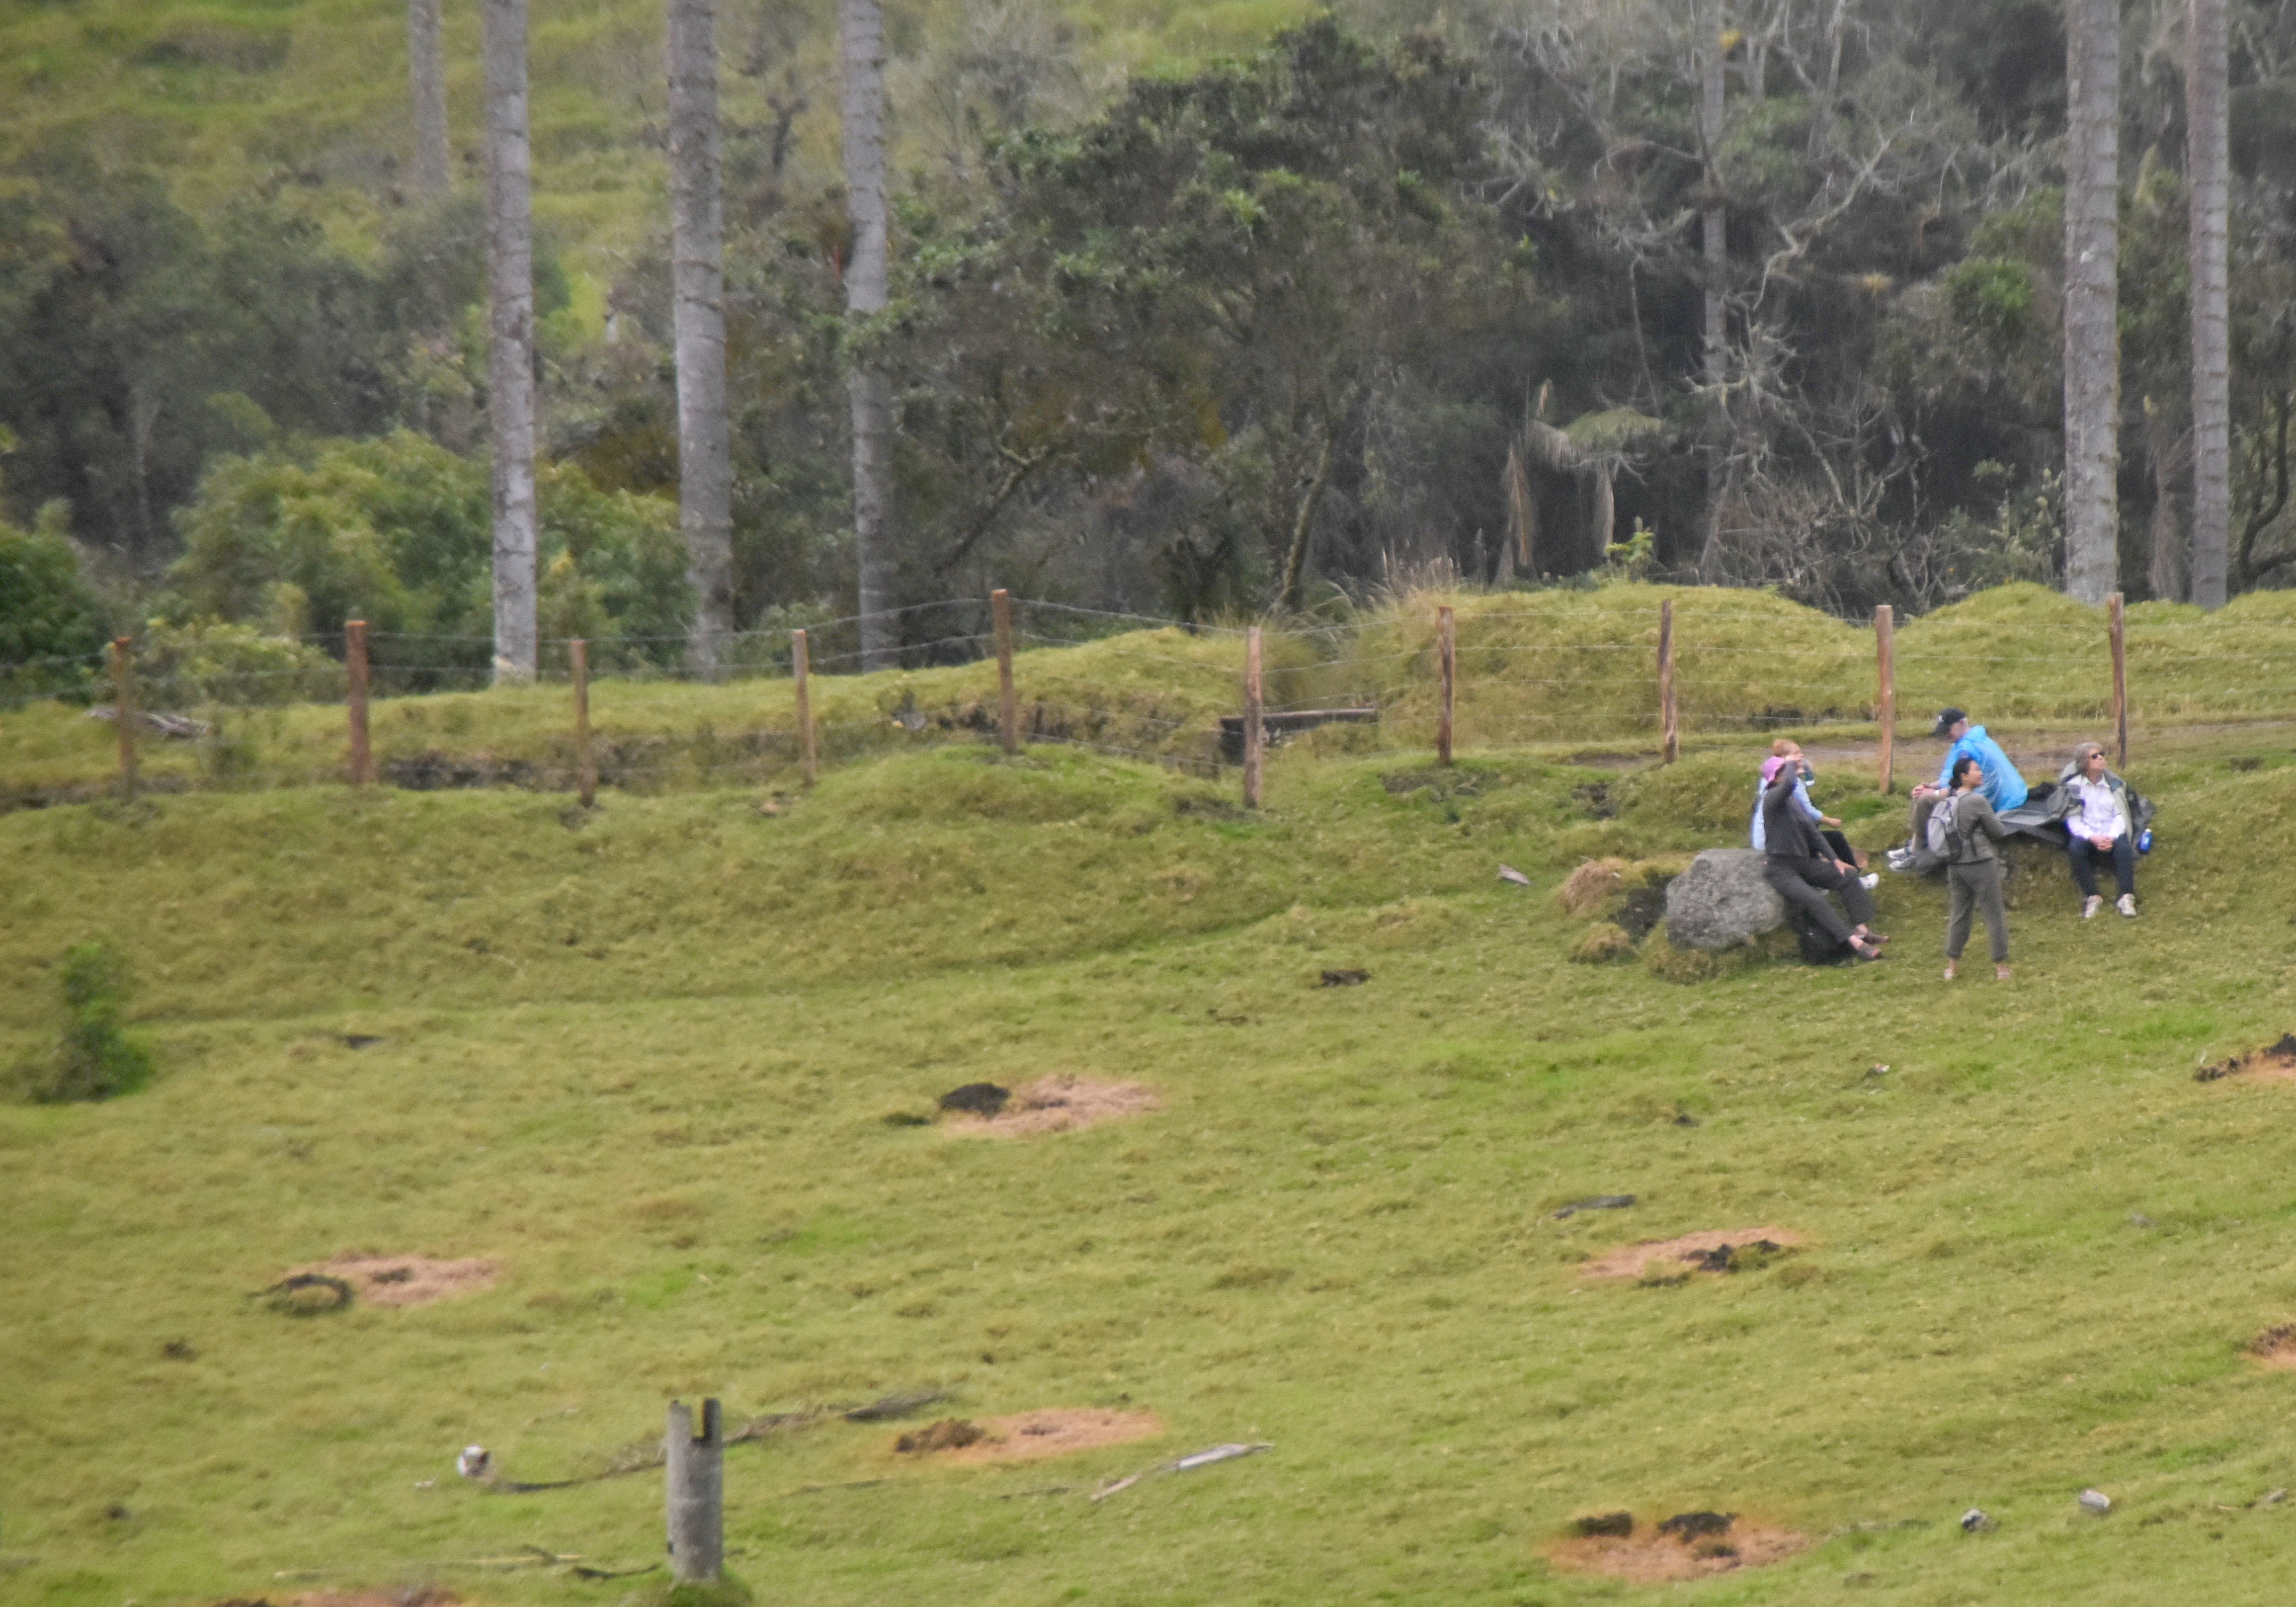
(2145, 840)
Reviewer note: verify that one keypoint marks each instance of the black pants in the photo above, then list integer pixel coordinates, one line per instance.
(2083, 855)
(1804, 884)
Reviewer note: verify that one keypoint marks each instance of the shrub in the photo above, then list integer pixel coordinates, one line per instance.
(48, 616)
(97, 1057)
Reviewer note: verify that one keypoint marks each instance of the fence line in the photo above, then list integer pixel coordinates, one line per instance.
(1426, 692)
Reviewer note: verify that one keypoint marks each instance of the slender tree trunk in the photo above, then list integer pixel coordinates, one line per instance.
(1821, 121)
(861, 34)
(2167, 451)
(1715, 224)
(426, 67)
(509, 370)
(705, 472)
(1303, 522)
(2206, 161)
(2092, 299)
(1714, 218)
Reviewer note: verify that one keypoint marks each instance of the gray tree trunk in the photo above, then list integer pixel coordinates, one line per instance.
(2092, 299)
(510, 370)
(705, 470)
(426, 69)
(2206, 161)
(861, 37)
(1715, 219)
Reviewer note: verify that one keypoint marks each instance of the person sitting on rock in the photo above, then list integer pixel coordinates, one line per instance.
(2004, 787)
(1787, 752)
(2100, 821)
(1803, 870)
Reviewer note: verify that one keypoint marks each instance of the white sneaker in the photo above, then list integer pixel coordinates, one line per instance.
(1869, 880)
(2091, 904)
(2127, 905)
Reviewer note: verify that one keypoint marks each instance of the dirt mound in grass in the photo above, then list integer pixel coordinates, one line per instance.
(1688, 1252)
(2273, 1063)
(2276, 1347)
(406, 1280)
(1057, 1104)
(1051, 1431)
(1652, 1555)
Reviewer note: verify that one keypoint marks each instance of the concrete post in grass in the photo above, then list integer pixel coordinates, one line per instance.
(694, 1493)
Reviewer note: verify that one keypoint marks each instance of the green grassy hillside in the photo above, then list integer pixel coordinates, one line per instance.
(645, 1057)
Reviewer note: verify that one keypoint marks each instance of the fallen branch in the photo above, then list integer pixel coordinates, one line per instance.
(1185, 1465)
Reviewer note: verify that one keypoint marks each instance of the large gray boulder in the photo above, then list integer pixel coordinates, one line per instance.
(1722, 900)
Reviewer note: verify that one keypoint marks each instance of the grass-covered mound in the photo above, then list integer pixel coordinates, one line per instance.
(643, 1063)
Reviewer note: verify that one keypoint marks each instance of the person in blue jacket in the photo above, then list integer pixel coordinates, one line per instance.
(2004, 787)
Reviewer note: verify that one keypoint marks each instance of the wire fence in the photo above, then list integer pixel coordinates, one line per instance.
(1641, 666)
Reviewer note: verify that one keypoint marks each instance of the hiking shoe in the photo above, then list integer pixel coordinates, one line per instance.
(2091, 904)
(2127, 904)
(1869, 880)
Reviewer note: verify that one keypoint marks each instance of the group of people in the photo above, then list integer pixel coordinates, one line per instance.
(1958, 820)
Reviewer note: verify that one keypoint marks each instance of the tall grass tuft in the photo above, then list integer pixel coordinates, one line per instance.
(97, 1056)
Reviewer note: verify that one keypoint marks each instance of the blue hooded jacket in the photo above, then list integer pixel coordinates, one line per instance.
(2004, 787)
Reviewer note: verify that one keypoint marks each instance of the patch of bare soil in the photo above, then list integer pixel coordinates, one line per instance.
(1657, 1555)
(2273, 1063)
(1057, 1104)
(1712, 1251)
(2276, 1347)
(1031, 1436)
(406, 1280)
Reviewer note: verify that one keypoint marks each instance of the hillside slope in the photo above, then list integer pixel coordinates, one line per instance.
(645, 1060)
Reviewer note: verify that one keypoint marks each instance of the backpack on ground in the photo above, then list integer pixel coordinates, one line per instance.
(1938, 834)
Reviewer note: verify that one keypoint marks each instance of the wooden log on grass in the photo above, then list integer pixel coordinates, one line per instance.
(1008, 707)
(1447, 644)
(1668, 720)
(801, 671)
(586, 768)
(354, 702)
(1885, 696)
(1255, 734)
(2118, 623)
(694, 1493)
(123, 689)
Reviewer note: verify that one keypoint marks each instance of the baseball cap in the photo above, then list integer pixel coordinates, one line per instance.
(1948, 718)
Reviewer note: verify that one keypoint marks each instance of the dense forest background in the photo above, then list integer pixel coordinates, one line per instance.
(1193, 310)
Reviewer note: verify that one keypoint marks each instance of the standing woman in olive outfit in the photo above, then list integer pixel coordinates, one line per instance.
(1972, 868)
(1803, 870)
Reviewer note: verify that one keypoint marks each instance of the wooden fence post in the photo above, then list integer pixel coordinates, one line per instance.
(2112, 613)
(694, 1493)
(586, 769)
(355, 662)
(1447, 644)
(1255, 736)
(801, 668)
(1008, 707)
(123, 710)
(1669, 722)
(1885, 702)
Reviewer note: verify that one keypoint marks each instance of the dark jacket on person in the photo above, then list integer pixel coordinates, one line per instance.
(1785, 833)
(1975, 829)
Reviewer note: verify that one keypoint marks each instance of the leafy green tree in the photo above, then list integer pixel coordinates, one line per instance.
(51, 624)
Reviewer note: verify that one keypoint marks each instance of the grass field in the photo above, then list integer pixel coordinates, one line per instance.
(644, 1058)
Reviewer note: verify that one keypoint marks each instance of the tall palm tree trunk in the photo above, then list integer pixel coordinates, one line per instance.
(705, 472)
(509, 369)
(1714, 227)
(426, 70)
(2207, 135)
(861, 34)
(2092, 299)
